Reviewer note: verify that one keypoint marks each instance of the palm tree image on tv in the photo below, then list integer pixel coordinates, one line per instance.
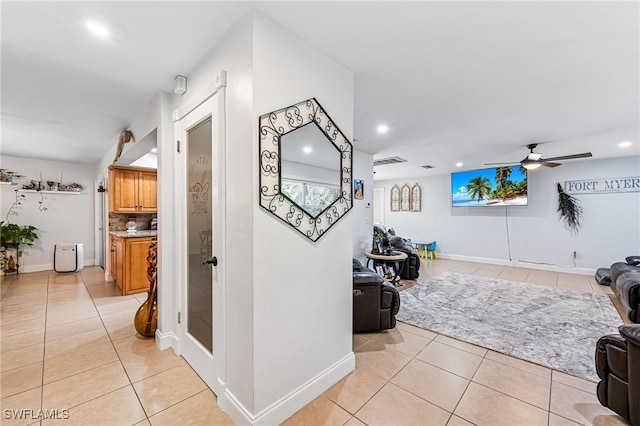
(489, 187)
(479, 188)
(508, 189)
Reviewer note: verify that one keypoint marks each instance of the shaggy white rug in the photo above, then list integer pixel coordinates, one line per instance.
(548, 326)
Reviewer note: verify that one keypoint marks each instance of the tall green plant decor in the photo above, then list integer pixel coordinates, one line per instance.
(569, 209)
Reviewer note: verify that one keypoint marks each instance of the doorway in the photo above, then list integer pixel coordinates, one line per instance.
(201, 301)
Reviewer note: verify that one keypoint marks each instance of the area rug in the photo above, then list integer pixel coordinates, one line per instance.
(548, 326)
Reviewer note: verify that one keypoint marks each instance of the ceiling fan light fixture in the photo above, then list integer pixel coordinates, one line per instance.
(530, 165)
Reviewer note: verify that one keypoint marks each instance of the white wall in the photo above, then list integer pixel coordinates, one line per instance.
(533, 235)
(308, 173)
(302, 289)
(363, 209)
(69, 218)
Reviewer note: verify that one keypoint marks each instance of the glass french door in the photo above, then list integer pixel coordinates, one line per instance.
(201, 304)
(199, 234)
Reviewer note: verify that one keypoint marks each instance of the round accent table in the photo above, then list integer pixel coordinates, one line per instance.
(388, 258)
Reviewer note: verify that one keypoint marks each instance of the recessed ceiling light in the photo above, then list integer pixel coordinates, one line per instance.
(458, 164)
(382, 128)
(97, 28)
(624, 144)
(307, 150)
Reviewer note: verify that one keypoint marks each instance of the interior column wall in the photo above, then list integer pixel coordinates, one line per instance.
(302, 289)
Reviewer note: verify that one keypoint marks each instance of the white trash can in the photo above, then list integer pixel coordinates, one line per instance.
(68, 258)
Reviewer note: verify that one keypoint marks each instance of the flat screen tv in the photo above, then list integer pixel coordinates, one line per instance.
(496, 186)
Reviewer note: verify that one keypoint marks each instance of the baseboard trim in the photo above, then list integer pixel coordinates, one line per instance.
(286, 406)
(520, 264)
(24, 269)
(166, 340)
(36, 268)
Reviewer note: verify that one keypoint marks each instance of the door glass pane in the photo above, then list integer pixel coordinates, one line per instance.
(200, 286)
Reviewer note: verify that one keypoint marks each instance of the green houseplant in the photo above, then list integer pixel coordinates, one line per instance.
(13, 235)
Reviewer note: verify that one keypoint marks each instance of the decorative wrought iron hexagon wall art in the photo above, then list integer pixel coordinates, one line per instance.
(271, 128)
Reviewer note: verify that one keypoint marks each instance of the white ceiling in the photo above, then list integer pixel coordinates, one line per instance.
(455, 81)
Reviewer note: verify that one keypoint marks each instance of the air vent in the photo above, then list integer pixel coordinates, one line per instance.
(427, 166)
(390, 160)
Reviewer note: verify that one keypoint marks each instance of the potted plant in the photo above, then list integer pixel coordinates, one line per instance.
(378, 242)
(13, 235)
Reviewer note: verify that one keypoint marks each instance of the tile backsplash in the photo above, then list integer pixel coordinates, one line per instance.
(118, 221)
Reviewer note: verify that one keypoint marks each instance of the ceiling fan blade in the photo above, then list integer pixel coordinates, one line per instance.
(513, 163)
(569, 157)
(549, 164)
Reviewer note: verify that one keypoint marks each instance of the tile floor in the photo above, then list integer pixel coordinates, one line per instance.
(68, 343)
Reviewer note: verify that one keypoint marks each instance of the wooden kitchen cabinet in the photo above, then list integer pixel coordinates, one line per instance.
(132, 190)
(129, 263)
(117, 260)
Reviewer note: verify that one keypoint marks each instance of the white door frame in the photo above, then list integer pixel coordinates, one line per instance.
(209, 102)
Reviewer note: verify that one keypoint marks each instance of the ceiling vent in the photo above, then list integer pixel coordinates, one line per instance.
(390, 160)
(427, 166)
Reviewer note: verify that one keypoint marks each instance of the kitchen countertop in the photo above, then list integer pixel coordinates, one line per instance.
(141, 233)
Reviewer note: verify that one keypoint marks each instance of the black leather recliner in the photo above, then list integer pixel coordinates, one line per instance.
(375, 301)
(625, 283)
(618, 366)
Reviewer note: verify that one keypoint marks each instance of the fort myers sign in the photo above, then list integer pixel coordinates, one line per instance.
(602, 186)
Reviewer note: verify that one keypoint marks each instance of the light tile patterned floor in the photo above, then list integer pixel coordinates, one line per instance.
(67, 342)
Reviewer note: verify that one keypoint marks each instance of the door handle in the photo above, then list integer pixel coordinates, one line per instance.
(213, 261)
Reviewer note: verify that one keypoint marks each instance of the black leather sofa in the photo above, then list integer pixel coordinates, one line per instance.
(375, 301)
(411, 266)
(618, 366)
(625, 283)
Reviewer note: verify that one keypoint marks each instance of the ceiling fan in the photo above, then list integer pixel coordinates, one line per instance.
(535, 160)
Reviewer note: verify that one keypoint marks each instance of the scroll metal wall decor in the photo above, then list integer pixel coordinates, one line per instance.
(406, 198)
(272, 127)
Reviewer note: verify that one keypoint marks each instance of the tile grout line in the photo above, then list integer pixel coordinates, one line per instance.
(44, 344)
(116, 351)
(131, 383)
(466, 389)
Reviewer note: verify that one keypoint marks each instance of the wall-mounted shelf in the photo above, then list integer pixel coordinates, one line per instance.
(8, 183)
(50, 192)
